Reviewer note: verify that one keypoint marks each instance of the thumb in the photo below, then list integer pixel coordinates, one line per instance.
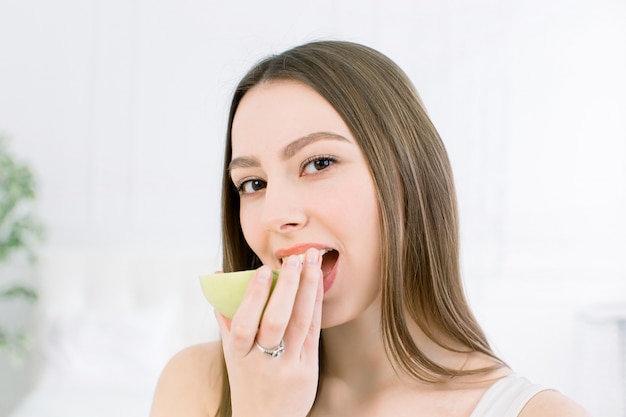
(223, 322)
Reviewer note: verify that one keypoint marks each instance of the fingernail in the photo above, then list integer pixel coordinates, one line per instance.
(264, 274)
(313, 256)
(293, 261)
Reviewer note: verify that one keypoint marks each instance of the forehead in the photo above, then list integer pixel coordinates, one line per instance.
(278, 112)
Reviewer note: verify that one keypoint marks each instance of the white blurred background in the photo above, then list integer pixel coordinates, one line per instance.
(119, 106)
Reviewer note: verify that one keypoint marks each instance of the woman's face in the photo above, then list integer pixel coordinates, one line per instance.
(303, 182)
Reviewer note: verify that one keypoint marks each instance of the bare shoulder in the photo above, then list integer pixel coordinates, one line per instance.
(190, 383)
(552, 403)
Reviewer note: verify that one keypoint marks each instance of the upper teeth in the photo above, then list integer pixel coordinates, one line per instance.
(301, 256)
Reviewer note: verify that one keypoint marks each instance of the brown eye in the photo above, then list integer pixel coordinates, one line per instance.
(251, 186)
(317, 164)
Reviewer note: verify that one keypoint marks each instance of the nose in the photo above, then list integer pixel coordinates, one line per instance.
(283, 210)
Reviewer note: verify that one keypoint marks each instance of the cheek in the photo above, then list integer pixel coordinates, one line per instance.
(250, 225)
(355, 211)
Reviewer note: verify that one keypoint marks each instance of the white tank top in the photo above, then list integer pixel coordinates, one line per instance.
(506, 397)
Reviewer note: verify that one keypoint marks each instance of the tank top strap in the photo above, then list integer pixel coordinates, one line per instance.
(506, 397)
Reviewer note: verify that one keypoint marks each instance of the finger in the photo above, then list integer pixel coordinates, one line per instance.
(278, 311)
(245, 323)
(223, 322)
(310, 348)
(302, 315)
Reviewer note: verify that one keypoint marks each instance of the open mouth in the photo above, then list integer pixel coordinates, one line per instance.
(329, 259)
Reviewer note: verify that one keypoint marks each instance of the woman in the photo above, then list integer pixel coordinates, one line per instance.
(335, 175)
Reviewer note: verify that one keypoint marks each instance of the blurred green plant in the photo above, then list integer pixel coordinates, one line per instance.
(20, 233)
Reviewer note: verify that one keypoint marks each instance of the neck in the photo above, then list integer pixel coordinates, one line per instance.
(356, 373)
(353, 352)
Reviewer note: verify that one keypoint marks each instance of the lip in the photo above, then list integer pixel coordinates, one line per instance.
(298, 250)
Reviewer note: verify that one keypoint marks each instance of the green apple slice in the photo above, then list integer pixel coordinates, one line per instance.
(225, 290)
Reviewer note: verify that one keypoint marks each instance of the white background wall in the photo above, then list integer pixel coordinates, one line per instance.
(120, 107)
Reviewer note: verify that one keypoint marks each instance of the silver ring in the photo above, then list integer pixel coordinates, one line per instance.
(275, 352)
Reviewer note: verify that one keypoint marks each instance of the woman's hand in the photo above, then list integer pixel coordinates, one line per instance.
(262, 385)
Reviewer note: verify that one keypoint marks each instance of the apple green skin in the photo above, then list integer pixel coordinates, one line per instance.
(225, 290)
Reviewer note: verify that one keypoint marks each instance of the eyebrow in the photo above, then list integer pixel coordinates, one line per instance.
(290, 150)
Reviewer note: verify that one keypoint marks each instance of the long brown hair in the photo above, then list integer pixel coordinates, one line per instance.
(417, 201)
